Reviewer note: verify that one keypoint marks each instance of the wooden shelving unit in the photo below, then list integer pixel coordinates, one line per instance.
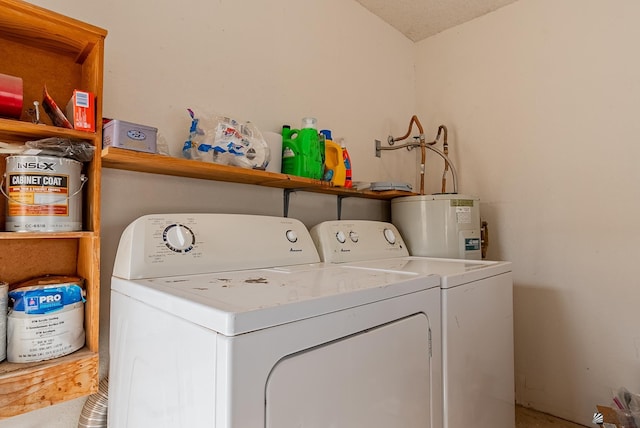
(43, 47)
(158, 164)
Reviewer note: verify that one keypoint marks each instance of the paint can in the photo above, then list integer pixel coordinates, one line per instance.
(46, 319)
(44, 194)
(4, 290)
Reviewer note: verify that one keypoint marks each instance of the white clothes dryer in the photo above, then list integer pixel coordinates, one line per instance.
(230, 321)
(477, 317)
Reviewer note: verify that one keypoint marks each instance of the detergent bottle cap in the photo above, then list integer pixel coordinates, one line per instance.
(326, 133)
(309, 122)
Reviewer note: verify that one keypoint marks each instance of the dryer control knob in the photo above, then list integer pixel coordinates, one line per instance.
(390, 236)
(354, 236)
(340, 237)
(179, 238)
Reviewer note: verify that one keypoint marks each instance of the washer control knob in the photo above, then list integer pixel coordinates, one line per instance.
(354, 236)
(179, 238)
(292, 236)
(390, 236)
(340, 237)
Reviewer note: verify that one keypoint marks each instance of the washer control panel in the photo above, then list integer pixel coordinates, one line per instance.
(356, 240)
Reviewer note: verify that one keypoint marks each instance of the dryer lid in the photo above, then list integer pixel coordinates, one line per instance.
(237, 302)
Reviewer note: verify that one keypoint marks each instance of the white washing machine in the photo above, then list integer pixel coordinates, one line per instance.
(231, 321)
(477, 317)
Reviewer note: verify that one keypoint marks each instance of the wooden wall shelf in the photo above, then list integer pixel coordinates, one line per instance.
(19, 131)
(113, 157)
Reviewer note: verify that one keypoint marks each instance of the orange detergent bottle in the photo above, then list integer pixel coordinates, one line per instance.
(348, 179)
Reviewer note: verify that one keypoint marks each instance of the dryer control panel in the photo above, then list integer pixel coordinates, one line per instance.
(343, 241)
(164, 245)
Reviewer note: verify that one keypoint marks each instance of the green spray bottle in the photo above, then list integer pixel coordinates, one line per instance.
(302, 150)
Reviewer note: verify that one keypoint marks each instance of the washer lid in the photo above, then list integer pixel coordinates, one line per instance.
(453, 272)
(238, 302)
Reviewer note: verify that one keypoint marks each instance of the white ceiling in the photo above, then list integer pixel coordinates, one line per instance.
(419, 19)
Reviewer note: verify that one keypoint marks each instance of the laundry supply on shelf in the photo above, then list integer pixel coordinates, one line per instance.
(334, 170)
(348, 179)
(303, 150)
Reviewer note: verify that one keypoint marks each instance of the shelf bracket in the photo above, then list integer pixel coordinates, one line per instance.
(287, 199)
(340, 198)
(287, 195)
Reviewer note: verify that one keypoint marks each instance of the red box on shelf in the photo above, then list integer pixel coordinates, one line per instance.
(81, 111)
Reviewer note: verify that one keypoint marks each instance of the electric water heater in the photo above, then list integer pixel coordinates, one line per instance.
(446, 225)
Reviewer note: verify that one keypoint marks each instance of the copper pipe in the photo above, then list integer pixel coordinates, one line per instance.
(423, 152)
(414, 119)
(429, 146)
(442, 130)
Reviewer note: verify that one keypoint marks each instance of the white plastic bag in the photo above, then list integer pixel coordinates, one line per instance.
(223, 140)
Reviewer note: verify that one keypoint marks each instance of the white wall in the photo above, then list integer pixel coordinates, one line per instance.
(269, 62)
(541, 99)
